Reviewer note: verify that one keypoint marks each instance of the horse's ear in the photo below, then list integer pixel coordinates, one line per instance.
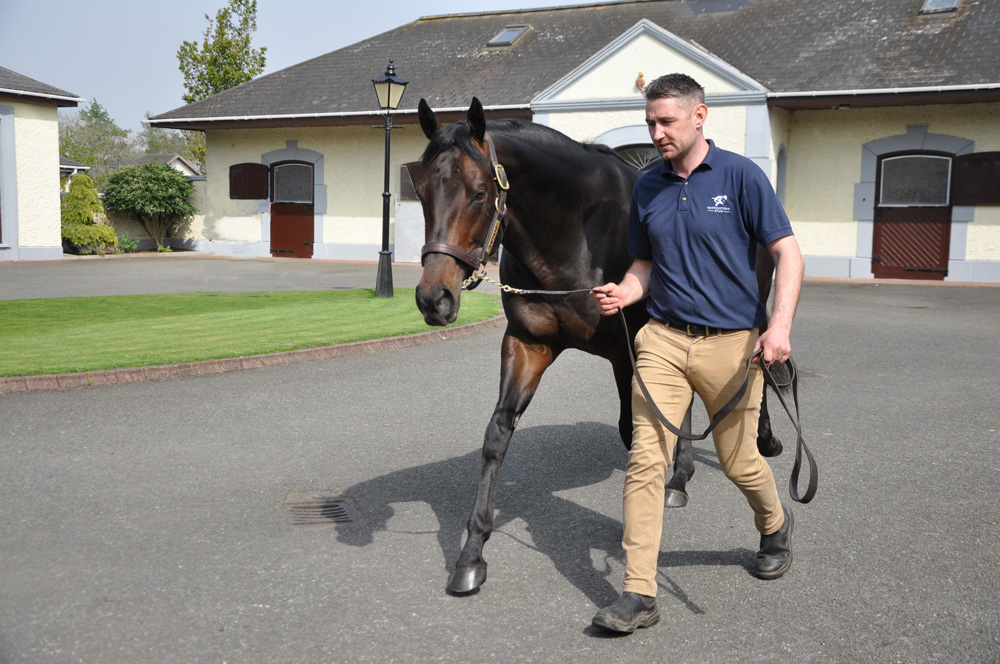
(477, 120)
(428, 122)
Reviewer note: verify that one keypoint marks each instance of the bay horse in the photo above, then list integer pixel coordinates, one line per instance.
(560, 209)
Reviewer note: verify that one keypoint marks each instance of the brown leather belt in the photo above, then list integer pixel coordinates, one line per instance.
(698, 330)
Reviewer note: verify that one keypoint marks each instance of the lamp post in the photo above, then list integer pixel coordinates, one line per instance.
(389, 89)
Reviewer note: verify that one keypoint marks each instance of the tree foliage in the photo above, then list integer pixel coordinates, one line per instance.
(225, 57)
(89, 239)
(80, 230)
(153, 194)
(157, 140)
(81, 204)
(188, 144)
(92, 138)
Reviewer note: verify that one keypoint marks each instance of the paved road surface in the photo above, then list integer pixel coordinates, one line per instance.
(141, 522)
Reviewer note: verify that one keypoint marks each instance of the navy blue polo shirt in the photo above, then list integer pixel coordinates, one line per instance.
(701, 235)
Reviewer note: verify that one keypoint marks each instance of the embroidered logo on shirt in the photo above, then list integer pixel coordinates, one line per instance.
(719, 205)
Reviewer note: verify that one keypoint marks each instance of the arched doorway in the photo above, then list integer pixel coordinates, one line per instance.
(292, 215)
(912, 231)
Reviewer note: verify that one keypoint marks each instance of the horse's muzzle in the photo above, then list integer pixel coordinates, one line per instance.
(438, 305)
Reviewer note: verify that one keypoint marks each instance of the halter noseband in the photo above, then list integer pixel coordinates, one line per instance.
(477, 257)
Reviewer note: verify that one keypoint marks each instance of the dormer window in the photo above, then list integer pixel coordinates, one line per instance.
(939, 6)
(508, 35)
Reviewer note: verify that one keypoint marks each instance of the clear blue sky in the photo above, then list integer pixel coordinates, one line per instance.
(124, 52)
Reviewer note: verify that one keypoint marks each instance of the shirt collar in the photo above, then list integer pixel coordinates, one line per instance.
(667, 169)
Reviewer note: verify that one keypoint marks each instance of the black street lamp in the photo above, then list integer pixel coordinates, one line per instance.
(389, 88)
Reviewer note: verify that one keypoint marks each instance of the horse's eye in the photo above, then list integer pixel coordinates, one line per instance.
(479, 196)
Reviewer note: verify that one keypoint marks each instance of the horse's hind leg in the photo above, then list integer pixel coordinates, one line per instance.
(767, 443)
(522, 365)
(676, 494)
(683, 459)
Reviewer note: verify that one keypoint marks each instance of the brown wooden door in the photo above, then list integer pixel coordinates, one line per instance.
(292, 230)
(911, 243)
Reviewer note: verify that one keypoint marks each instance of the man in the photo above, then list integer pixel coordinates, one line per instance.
(694, 227)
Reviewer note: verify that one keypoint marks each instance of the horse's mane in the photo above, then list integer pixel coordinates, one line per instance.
(545, 139)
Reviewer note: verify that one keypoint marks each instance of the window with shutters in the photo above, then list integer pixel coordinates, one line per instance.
(976, 179)
(248, 181)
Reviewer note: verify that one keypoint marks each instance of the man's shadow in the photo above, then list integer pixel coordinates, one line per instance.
(584, 545)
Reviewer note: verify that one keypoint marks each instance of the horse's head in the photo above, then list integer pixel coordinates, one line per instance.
(459, 195)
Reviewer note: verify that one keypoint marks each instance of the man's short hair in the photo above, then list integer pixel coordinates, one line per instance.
(679, 86)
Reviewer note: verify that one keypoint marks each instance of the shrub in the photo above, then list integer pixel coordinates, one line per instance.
(89, 238)
(127, 244)
(80, 231)
(153, 194)
(81, 204)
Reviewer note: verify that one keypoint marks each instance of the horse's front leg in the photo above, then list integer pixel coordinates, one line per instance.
(522, 365)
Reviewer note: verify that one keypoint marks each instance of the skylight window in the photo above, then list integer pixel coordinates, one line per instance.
(939, 6)
(508, 35)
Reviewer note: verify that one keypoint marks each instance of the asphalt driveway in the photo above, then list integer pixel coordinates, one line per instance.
(141, 522)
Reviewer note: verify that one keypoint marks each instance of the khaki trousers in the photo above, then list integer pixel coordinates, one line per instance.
(674, 366)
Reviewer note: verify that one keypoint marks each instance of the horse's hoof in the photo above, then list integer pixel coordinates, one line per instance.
(772, 450)
(466, 579)
(675, 498)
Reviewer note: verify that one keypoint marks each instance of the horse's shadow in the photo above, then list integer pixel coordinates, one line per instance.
(583, 544)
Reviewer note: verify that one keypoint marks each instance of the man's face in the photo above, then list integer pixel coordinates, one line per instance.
(674, 125)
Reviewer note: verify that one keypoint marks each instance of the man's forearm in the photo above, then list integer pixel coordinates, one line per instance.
(635, 283)
(789, 268)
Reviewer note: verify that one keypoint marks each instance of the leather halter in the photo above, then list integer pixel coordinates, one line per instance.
(477, 257)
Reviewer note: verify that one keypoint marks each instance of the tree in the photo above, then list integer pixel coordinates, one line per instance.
(80, 230)
(92, 138)
(188, 144)
(81, 204)
(155, 195)
(156, 140)
(225, 58)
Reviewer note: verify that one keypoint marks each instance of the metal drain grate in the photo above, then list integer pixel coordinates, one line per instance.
(317, 509)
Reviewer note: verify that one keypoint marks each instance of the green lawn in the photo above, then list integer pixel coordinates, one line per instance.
(68, 335)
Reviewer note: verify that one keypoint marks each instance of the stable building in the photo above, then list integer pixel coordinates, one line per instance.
(877, 122)
(30, 167)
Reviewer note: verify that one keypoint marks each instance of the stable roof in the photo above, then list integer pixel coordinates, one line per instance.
(20, 87)
(807, 53)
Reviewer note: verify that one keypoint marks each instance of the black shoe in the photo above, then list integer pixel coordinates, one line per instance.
(630, 612)
(775, 555)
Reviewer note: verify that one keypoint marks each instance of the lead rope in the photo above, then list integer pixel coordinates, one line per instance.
(727, 408)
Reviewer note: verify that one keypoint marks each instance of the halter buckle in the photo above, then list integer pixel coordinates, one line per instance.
(501, 176)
